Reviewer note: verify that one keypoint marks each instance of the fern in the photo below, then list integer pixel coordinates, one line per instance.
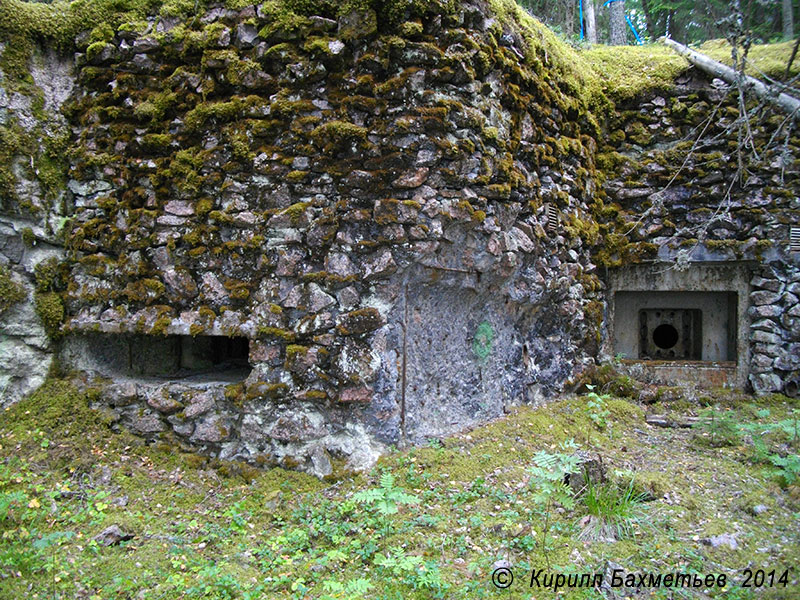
(398, 562)
(788, 467)
(548, 475)
(355, 589)
(598, 412)
(386, 499)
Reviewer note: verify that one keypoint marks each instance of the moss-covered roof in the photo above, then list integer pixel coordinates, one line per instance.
(616, 72)
(763, 59)
(60, 22)
(627, 71)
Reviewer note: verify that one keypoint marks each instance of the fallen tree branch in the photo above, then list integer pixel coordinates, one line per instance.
(675, 423)
(730, 76)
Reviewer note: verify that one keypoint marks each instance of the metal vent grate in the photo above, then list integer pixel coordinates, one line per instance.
(552, 218)
(794, 239)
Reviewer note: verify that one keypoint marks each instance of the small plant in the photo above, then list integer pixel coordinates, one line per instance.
(412, 570)
(548, 482)
(614, 511)
(598, 411)
(718, 429)
(386, 499)
(788, 468)
(355, 588)
(760, 453)
(791, 427)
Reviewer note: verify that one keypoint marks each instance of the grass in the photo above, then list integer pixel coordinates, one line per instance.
(207, 529)
(615, 511)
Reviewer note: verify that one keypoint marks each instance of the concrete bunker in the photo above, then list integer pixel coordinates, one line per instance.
(214, 357)
(682, 325)
(689, 326)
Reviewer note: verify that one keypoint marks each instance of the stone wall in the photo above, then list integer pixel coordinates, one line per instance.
(775, 329)
(387, 207)
(33, 212)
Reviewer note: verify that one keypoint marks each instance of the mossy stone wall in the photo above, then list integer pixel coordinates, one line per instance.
(337, 184)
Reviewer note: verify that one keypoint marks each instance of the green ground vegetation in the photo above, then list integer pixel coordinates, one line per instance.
(427, 522)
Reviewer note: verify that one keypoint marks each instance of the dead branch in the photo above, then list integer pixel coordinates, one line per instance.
(730, 76)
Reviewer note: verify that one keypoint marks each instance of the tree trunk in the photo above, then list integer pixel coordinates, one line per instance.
(591, 24)
(569, 19)
(617, 25)
(716, 69)
(649, 20)
(788, 20)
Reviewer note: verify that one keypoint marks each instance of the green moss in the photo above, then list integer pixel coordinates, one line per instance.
(11, 292)
(411, 29)
(319, 46)
(636, 133)
(95, 49)
(161, 326)
(266, 390)
(48, 275)
(769, 59)
(218, 112)
(629, 71)
(296, 211)
(61, 21)
(50, 309)
(184, 169)
(286, 335)
(238, 290)
(28, 237)
(294, 351)
(145, 290)
(282, 22)
(156, 142)
(204, 206)
(235, 393)
(338, 135)
(296, 176)
(315, 395)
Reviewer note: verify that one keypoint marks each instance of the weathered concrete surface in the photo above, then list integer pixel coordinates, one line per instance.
(704, 374)
(31, 218)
